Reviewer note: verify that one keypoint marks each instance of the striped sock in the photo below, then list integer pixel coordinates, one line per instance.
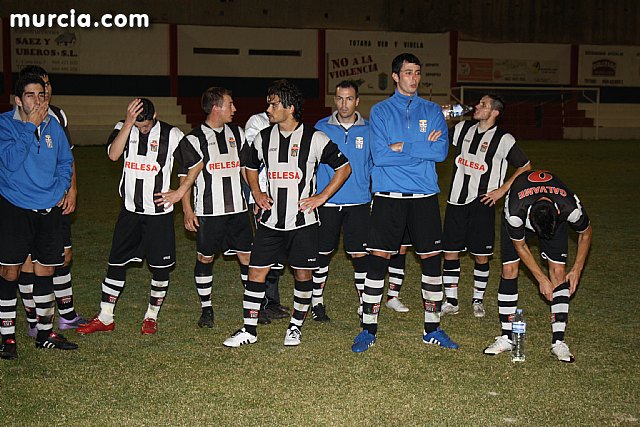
(112, 286)
(203, 274)
(396, 275)
(25, 285)
(302, 292)
(373, 289)
(8, 305)
(451, 278)
(432, 294)
(507, 303)
(320, 279)
(45, 304)
(560, 311)
(480, 280)
(253, 296)
(64, 292)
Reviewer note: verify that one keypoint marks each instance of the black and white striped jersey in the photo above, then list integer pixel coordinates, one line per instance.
(531, 186)
(62, 119)
(148, 161)
(482, 160)
(218, 188)
(291, 160)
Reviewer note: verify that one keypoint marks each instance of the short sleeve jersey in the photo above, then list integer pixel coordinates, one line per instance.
(291, 161)
(481, 161)
(218, 188)
(148, 162)
(528, 188)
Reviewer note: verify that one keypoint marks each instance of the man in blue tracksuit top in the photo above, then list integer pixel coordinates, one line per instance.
(35, 173)
(408, 136)
(349, 207)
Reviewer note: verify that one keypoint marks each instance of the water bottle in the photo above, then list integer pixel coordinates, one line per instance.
(518, 334)
(451, 111)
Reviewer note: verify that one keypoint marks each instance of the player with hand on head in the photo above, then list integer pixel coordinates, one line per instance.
(144, 228)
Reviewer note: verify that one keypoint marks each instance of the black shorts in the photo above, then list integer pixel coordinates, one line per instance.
(420, 216)
(143, 236)
(24, 232)
(469, 227)
(553, 250)
(353, 220)
(271, 247)
(66, 231)
(228, 234)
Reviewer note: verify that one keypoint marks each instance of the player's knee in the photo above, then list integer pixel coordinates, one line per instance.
(510, 270)
(302, 275)
(10, 272)
(205, 259)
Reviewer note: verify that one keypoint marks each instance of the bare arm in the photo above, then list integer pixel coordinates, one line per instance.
(584, 244)
(339, 177)
(172, 197)
(117, 146)
(546, 287)
(263, 201)
(190, 219)
(492, 197)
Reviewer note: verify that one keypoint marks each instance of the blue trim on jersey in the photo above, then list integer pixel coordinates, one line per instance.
(355, 146)
(32, 176)
(407, 119)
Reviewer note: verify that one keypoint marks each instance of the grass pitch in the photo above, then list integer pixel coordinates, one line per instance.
(183, 375)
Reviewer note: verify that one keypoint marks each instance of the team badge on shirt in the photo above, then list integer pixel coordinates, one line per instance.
(359, 142)
(154, 146)
(484, 146)
(294, 150)
(49, 141)
(232, 142)
(423, 125)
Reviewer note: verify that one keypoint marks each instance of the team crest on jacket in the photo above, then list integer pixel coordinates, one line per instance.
(154, 146)
(359, 142)
(49, 141)
(232, 142)
(423, 125)
(294, 150)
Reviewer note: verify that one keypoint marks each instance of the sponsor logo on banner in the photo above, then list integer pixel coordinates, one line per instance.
(603, 67)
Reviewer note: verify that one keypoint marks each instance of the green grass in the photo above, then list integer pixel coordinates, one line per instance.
(183, 375)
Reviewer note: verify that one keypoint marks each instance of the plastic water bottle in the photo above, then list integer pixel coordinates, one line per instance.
(518, 334)
(451, 111)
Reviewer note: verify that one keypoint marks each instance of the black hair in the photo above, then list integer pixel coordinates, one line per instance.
(34, 70)
(213, 96)
(396, 65)
(148, 110)
(543, 217)
(289, 95)
(346, 84)
(25, 81)
(497, 103)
